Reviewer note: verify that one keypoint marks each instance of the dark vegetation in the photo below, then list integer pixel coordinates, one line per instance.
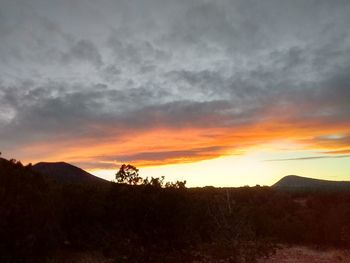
(153, 221)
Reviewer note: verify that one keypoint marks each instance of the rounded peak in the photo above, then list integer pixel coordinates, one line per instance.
(52, 163)
(291, 176)
(290, 179)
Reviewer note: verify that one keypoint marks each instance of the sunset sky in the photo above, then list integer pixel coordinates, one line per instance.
(215, 92)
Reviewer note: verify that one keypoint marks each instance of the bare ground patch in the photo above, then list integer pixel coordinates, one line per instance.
(299, 254)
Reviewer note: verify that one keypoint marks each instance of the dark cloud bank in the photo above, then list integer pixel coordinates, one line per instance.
(68, 68)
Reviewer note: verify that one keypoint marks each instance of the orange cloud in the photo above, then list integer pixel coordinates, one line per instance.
(161, 146)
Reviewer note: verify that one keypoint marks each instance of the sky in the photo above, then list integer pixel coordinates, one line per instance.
(215, 92)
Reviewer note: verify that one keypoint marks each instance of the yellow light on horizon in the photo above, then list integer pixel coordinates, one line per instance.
(249, 169)
(220, 172)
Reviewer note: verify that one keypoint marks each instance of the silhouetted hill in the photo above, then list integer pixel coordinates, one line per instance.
(65, 172)
(296, 183)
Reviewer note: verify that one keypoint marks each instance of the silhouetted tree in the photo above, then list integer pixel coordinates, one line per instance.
(157, 182)
(177, 184)
(128, 174)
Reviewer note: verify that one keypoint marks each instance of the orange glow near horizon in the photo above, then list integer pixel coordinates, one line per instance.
(171, 149)
(231, 143)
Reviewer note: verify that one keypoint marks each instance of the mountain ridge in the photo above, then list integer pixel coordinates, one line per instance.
(65, 172)
(295, 182)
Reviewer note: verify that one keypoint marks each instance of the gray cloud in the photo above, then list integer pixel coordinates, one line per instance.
(154, 157)
(309, 158)
(84, 50)
(69, 68)
(165, 155)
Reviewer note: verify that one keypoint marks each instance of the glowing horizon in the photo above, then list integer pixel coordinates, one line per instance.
(251, 169)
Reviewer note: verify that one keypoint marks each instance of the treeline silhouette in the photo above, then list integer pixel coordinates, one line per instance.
(154, 222)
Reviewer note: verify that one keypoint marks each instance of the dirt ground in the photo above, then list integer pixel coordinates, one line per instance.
(295, 254)
(307, 255)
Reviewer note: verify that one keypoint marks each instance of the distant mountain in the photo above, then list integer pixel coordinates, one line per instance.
(299, 183)
(65, 172)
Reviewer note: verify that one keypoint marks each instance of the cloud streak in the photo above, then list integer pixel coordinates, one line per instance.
(308, 158)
